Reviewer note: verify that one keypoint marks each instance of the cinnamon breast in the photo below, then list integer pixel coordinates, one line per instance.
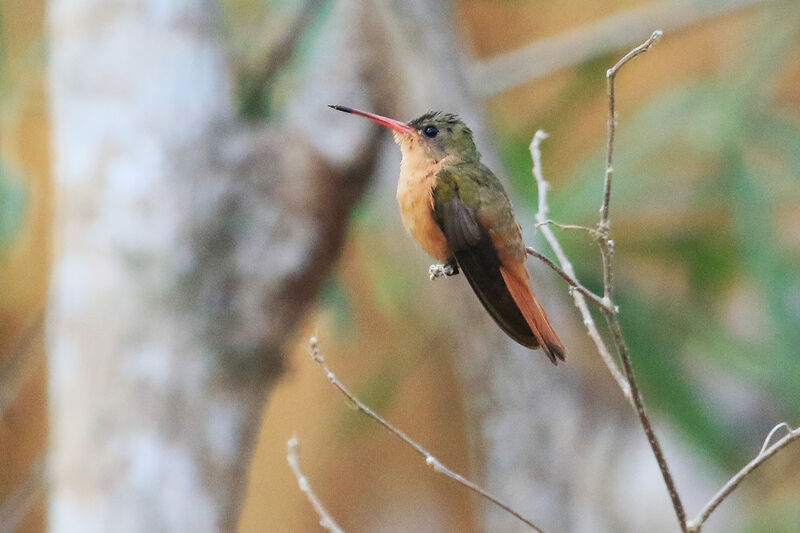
(415, 197)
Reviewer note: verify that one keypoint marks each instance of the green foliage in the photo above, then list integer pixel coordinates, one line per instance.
(13, 201)
(714, 162)
(262, 71)
(334, 298)
(779, 517)
(577, 95)
(13, 194)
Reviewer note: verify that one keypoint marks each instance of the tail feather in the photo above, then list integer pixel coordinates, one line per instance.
(482, 270)
(523, 296)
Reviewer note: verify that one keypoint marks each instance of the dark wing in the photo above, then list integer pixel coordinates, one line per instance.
(477, 258)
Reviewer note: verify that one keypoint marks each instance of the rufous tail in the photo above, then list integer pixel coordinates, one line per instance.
(516, 279)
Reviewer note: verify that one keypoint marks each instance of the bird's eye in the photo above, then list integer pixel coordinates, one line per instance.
(430, 131)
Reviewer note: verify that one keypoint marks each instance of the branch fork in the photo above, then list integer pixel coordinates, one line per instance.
(610, 311)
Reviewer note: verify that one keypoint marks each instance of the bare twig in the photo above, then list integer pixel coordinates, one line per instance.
(603, 227)
(610, 312)
(569, 270)
(293, 458)
(572, 47)
(548, 222)
(655, 445)
(766, 452)
(430, 460)
(611, 76)
(572, 282)
(782, 425)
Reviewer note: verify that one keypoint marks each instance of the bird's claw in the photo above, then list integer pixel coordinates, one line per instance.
(442, 271)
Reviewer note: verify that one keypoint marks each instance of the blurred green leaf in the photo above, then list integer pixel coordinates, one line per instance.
(13, 201)
(656, 332)
(334, 298)
(713, 156)
(779, 517)
(13, 194)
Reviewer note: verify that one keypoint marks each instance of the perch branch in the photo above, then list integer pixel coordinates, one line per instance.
(293, 458)
(766, 452)
(430, 460)
(610, 312)
(569, 270)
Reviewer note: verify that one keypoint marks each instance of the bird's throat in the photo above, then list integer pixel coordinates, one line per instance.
(415, 198)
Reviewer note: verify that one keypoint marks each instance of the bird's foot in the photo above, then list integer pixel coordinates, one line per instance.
(443, 271)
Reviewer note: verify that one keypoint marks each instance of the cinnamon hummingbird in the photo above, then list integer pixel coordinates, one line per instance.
(459, 213)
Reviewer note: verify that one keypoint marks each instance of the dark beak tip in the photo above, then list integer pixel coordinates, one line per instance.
(340, 108)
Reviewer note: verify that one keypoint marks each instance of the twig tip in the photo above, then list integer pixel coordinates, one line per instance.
(657, 35)
(316, 354)
(538, 137)
(772, 434)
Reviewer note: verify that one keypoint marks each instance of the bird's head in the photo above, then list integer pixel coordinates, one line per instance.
(435, 134)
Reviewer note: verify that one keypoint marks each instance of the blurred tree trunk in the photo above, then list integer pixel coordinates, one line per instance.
(187, 247)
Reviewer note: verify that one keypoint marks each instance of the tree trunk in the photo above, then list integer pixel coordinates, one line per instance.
(187, 247)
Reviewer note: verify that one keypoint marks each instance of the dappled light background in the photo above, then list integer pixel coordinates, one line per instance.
(706, 221)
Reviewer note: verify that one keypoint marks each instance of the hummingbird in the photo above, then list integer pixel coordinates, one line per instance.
(459, 213)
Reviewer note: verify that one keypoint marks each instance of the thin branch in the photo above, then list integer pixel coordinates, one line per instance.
(549, 222)
(782, 425)
(610, 312)
(575, 46)
(622, 348)
(611, 76)
(293, 458)
(766, 452)
(606, 244)
(569, 270)
(572, 282)
(430, 460)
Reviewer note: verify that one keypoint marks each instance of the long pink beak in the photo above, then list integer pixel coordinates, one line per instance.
(396, 125)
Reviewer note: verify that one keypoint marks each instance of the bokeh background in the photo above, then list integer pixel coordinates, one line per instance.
(706, 219)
